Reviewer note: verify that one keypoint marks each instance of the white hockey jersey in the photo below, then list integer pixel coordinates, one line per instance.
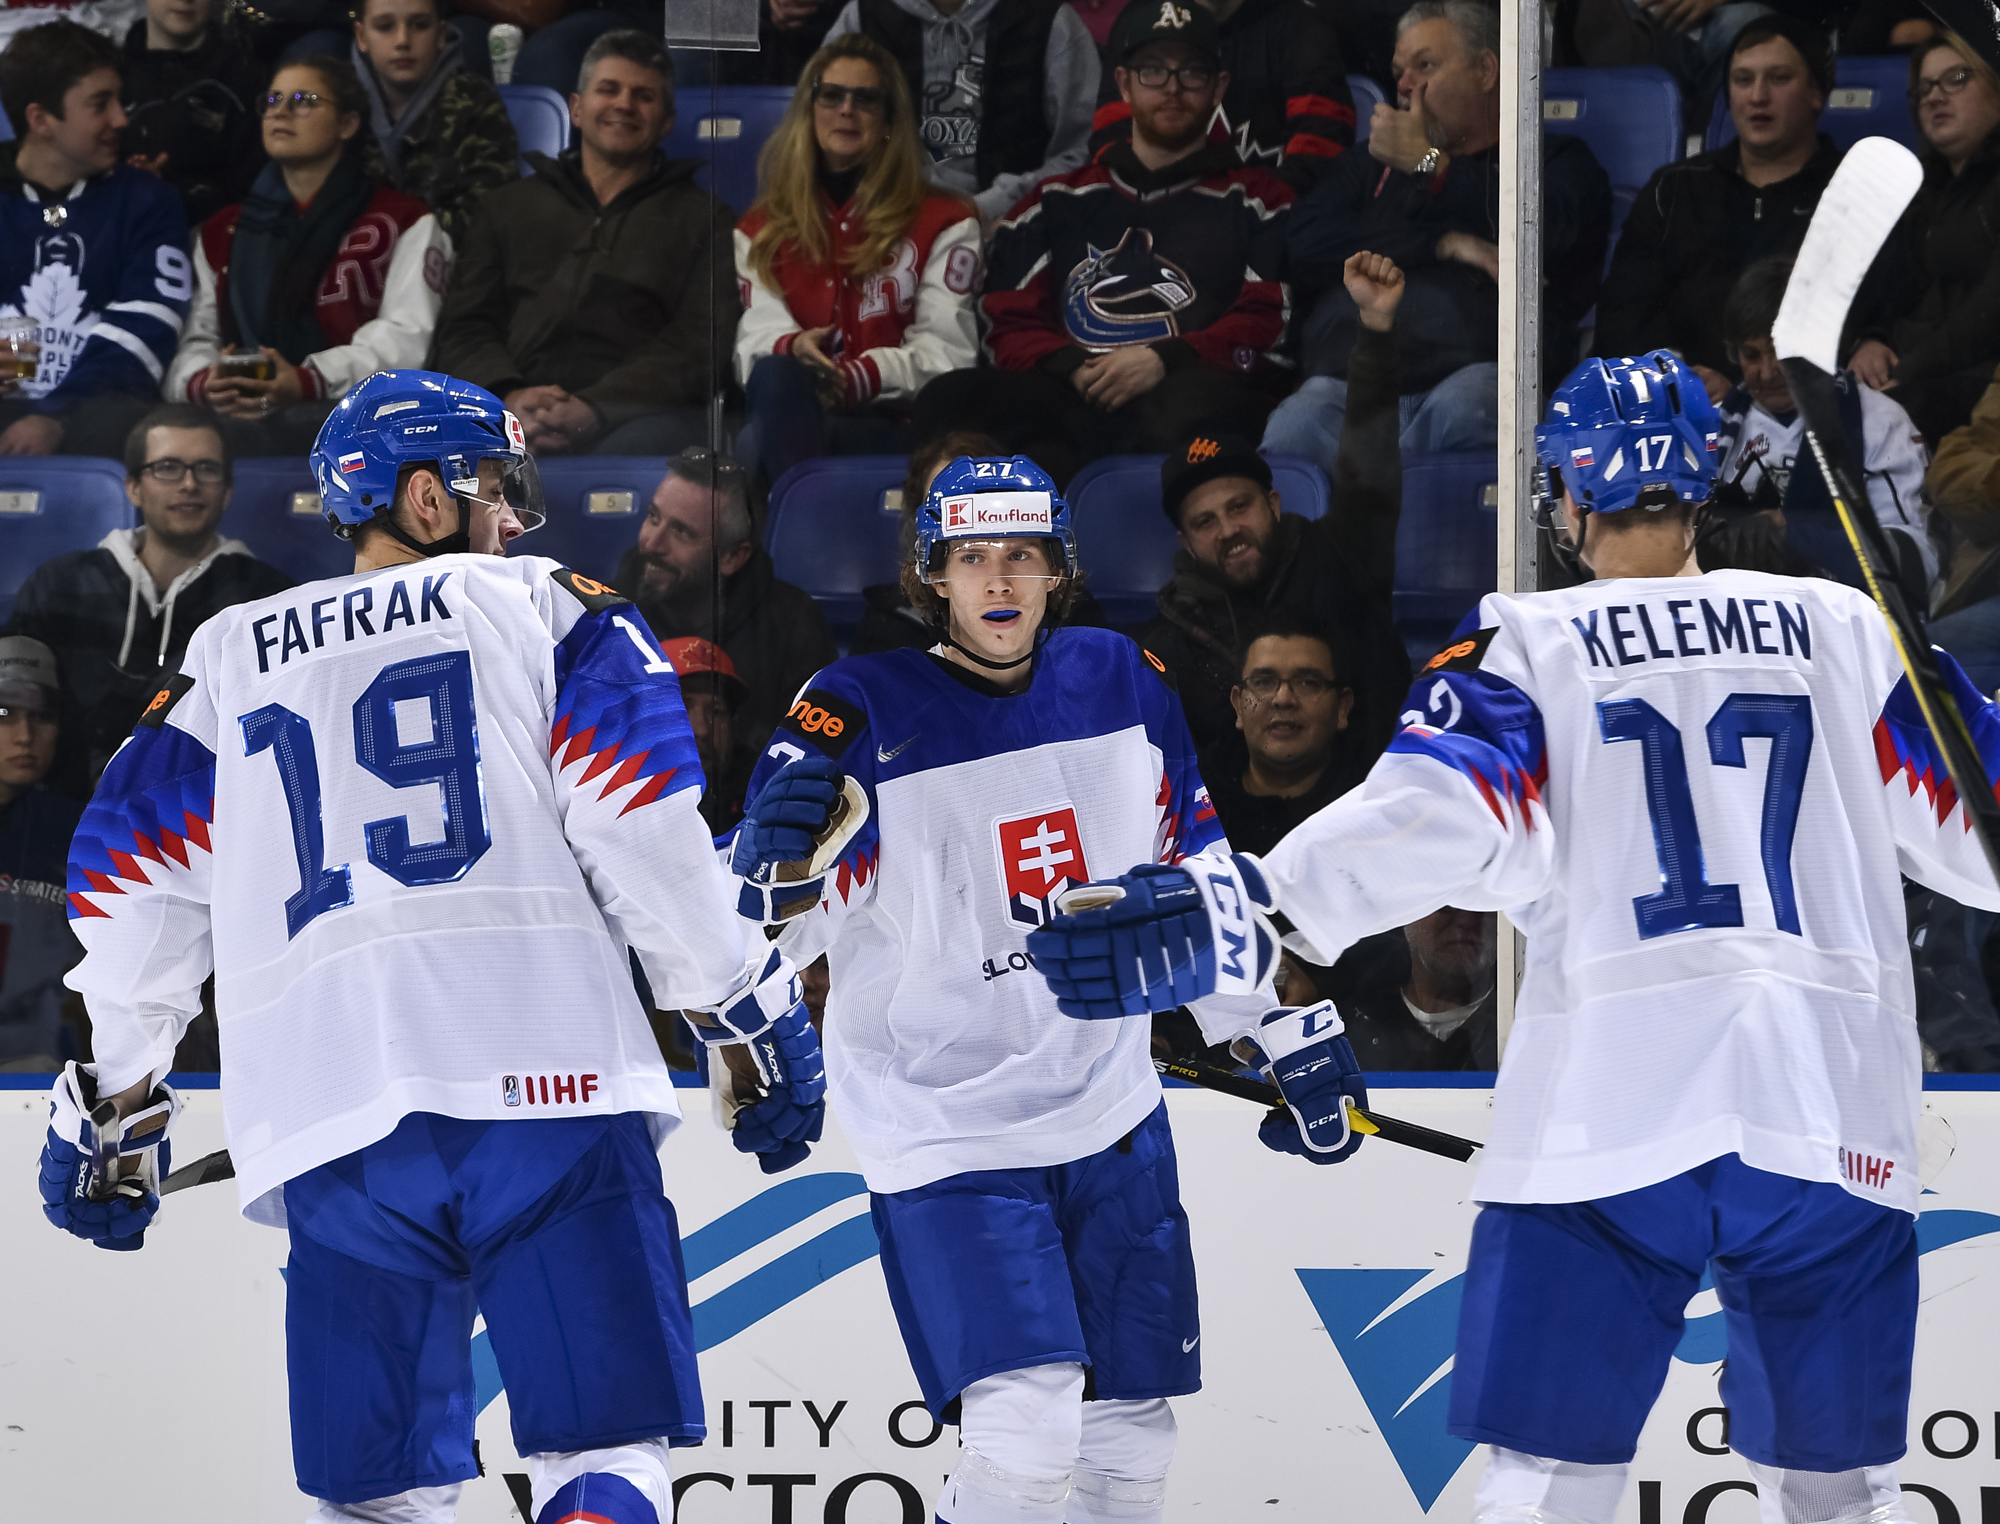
(412, 818)
(1694, 796)
(944, 1048)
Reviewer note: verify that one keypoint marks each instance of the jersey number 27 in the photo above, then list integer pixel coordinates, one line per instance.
(449, 759)
(1686, 899)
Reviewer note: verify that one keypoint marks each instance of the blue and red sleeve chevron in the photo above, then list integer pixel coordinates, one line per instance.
(1905, 747)
(1487, 729)
(628, 721)
(154, 805)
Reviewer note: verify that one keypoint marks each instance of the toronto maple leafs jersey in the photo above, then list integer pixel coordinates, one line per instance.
(1694, 796)
(944, 1048)
(412, 818)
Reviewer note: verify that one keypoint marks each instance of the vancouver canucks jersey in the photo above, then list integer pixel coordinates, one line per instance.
(1694, 795)
(412, 818)
(945, 1051)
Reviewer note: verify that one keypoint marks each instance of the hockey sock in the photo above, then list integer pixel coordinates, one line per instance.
(1020, 1431)
(420, 1505)
(1532, 1489)
(621, 1484)
(1865, 1495)
(1121, 1467)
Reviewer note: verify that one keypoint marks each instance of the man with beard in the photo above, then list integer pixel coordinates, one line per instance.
(697, 570)
(1425, 1000)
(119, 617)
(1131, 299)
(1245, 563)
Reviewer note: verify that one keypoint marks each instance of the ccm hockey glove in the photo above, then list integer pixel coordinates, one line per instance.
(1304, 1052)
(82, 1193)
(793, 833)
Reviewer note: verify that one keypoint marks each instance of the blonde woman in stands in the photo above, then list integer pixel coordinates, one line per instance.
(857, 277)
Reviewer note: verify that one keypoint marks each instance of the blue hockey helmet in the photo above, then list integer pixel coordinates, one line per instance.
(398, 418)
(992, 498)
(1631, 433)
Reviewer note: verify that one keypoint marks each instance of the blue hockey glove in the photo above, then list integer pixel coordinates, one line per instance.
(779, 1127)
(1302, 1050)
(1167, 936)
(76, 1161)
(792, 833)
(774, 992)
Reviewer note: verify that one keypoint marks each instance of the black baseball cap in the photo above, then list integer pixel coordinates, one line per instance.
(1204, 457)
(1183, 21)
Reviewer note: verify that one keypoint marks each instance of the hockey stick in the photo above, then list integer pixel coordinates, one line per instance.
(204, 1171)
(1856, 213)
(1389, 1129)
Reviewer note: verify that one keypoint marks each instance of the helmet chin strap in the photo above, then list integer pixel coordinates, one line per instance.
(455, 543)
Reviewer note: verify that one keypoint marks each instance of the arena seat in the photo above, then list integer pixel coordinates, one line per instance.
(1631, 120)
(727, 126)
(1367, 95)
(1126, 545)
(52, 505)
(541, 120)
(835, 527)
(1870, 100)
(275, 510)
(1447, 551)
(596, 505)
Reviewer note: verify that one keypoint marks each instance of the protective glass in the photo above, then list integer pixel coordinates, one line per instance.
(974, 565)
(520, 488)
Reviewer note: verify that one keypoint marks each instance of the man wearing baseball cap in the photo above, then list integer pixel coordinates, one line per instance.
(36, 825)
(713, 695)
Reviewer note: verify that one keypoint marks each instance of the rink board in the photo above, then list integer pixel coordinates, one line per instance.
(1329, 1299)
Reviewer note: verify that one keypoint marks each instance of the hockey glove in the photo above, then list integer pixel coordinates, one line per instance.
(1303, 1051)
(793, 832)
(82, 1192)
(778, 1128)
(1167, 935)
(774, 992)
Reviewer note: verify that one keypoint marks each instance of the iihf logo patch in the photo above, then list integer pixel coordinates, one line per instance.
(1041, 855)
(510, 1090)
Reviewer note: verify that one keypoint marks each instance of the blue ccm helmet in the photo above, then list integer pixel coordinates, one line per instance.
(398, 418)
(1631, 433)
(992, 498)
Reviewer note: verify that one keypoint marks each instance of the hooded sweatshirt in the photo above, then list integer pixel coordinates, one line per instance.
(452, 142)
(958, 113)
(117, 634)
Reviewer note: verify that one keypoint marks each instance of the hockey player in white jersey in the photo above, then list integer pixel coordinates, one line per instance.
(413, 818)
(1694, 794)
(1022, 1172)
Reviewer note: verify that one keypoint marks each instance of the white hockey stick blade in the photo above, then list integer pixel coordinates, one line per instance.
(1856, 213)
(1936, 1143)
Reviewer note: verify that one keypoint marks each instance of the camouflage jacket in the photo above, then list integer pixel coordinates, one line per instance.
(460, 149)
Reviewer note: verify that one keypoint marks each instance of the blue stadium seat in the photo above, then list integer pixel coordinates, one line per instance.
(1630, 118)
(6, 129)
(275, 510)
(727, 126)
(50, 506)
(1124, 541)
(541, 120)
(1447, 549)
(836, 527)
(1367, 94)
(1870, 100)
(596, 505)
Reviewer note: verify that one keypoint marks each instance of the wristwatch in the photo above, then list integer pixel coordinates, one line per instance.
(1428, 164)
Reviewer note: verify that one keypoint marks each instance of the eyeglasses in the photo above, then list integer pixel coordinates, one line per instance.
(695, 458)
(1263, 685)
(170, 472)
(1187, 76)
(866, 98)
(297, 103)
(1950, 83)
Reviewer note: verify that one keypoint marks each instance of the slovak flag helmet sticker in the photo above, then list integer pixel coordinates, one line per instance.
(358, 461)
(1584, 456)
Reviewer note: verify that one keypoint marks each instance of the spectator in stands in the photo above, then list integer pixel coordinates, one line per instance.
(1137, 297)
(1964, 486)
(1699, 224)
(713, 694)
(890, 622)
(1932, 329)
(1763, 437)
(1435, 1009)
(1004, 88)
(36, 824)
(597, 296)
(1290, 752)
(1289, 109)
(92, 251)
(119, 617)
(324, 273)
(857, 280)
(789, 32)
(439, 131)
(190, 93)
(697, 541)
(1243, 562)
(1427, 194)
